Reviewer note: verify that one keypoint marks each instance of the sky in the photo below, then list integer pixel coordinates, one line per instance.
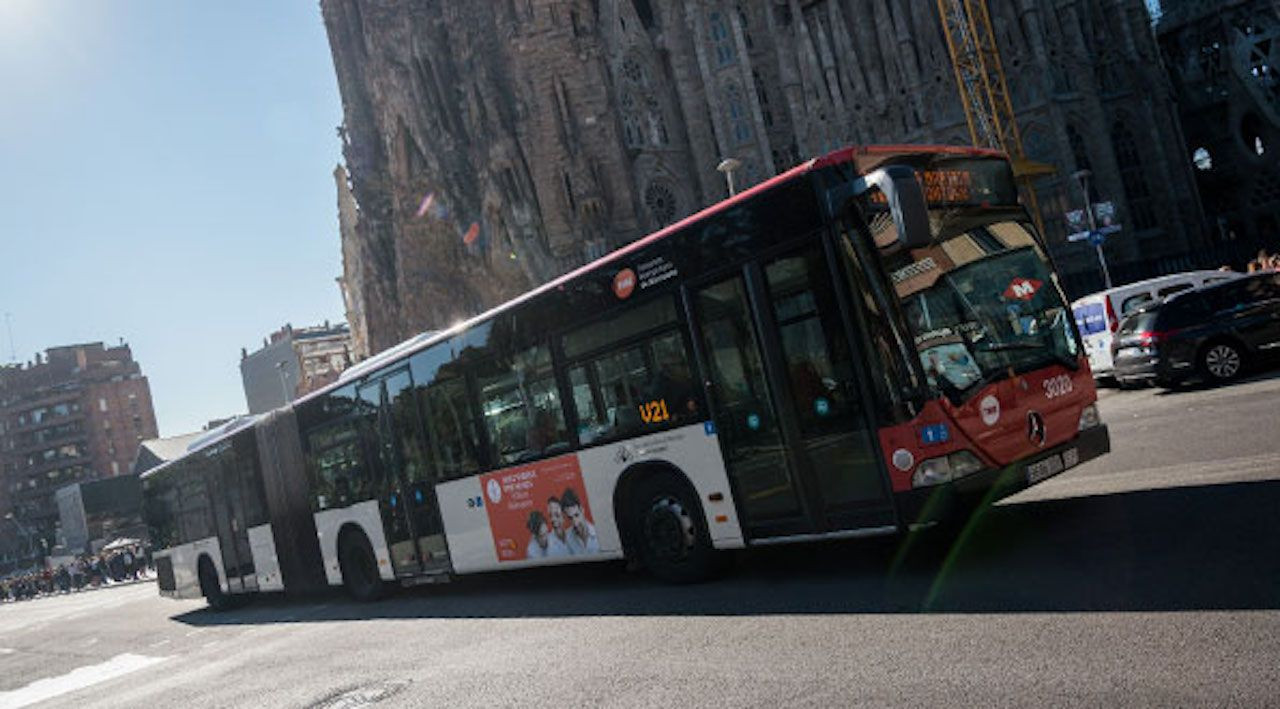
(166, 178)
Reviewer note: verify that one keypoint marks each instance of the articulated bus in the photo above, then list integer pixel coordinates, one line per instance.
(851, 348)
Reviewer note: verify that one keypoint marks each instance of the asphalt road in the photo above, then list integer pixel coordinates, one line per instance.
(1151, 576)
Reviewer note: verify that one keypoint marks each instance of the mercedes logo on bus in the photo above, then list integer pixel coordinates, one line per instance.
(1035, 428)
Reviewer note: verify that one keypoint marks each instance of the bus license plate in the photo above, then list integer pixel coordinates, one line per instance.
(1054, 464)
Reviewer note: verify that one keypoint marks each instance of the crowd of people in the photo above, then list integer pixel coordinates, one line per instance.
(130, 563)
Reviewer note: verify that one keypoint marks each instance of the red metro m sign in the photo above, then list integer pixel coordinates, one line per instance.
(1022, 289)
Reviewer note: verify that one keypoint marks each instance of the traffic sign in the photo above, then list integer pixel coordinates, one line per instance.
(1096, 238)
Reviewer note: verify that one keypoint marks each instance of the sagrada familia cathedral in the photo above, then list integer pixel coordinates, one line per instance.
(491, 145)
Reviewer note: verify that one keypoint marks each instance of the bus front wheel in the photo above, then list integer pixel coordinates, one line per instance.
(671, 532)
(359, 568)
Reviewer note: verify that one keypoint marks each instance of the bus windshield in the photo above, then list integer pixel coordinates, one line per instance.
(980, 301)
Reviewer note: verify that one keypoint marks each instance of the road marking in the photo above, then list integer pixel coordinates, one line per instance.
(7, 651)
(90, 641)
(79, 678)
(197, 631)
(158, 643)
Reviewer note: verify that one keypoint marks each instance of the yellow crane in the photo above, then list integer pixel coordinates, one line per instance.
(984, 92)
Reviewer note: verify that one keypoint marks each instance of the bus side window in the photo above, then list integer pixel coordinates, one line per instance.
(337, 466)
(195, 515)
(521, 406)
(249, 478)
(451, 434)
(635, 389)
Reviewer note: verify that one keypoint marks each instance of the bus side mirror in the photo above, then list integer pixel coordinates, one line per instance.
(905, 196)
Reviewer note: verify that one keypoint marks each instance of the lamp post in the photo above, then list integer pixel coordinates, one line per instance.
(26, 534)
(727, 166)
(284, 379)
(1082, 176)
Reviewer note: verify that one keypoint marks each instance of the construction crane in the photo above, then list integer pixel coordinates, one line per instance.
(984, 92)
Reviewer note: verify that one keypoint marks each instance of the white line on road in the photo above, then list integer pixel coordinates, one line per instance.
(158, 643)
(76, 679)
(91, 641)
(197, 631)
(7, 651)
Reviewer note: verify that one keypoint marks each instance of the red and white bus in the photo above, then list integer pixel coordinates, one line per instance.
(848, 349)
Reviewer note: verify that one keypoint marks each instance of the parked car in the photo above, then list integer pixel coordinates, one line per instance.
(1212, 332)
(1098, 315)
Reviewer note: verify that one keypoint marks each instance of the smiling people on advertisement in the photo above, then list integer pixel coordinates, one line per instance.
(581, 533)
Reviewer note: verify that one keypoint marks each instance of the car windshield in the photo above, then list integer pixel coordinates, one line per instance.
(979, 301)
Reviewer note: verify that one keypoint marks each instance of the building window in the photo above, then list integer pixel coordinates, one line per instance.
(643, 120)
(721, 39)
(739, 121)
(102, 404)
(763, 97)
(115, 468)
(661, 203)
(1133, 177)
(632, 128)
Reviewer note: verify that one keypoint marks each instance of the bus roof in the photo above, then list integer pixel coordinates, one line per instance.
(207, 439)
(864, 158)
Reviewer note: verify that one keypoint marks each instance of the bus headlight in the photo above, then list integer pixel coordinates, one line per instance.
(936, 471)
(1089, 417)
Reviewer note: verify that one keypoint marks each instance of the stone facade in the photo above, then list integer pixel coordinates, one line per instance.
(493, 145)
(1224, 60)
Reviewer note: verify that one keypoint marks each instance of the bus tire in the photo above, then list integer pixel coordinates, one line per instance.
(359, 567)
(210, 588)
(670, 531)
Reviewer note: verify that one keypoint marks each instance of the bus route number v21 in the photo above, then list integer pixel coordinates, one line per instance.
(654, 411)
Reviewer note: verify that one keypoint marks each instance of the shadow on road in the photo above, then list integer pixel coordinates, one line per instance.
(1202, 384)
(1176, 549)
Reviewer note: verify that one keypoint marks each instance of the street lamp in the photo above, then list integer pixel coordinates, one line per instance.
(26, 533)
(1082, 176)
(284, 379)
(727, 166)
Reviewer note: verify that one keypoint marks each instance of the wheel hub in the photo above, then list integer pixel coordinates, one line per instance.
(669, 529)
(1223, 361)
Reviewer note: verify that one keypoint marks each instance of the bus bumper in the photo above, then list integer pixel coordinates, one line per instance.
(984, 487)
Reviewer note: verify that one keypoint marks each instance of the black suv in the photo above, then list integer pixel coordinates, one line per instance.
(1212, 332)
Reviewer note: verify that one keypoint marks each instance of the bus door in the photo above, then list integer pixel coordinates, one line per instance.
(787, 405)
(830, 419)
(226, 519)
(411, 522)
(234, 487)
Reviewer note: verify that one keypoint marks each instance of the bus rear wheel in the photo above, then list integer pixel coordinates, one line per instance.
(211, 588)
(671, 533)
(359, 568)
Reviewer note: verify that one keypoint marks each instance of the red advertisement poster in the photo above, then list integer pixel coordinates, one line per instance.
(540, 511)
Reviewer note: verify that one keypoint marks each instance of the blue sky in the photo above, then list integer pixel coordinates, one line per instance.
(166, 178)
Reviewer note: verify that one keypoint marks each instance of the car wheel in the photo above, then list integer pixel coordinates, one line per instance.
(1221, 361)
(359, 568)
(671, 532)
